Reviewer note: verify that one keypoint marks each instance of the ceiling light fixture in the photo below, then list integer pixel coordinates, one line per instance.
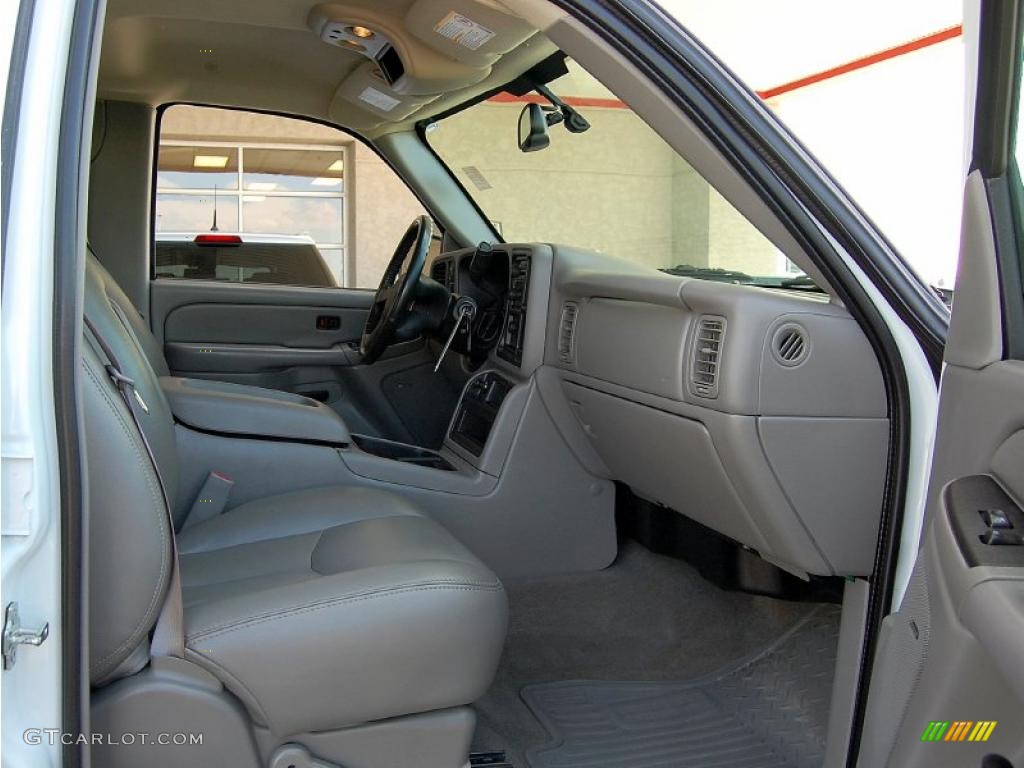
(210, 161)
(337, 165)
(364, 33)
(324, 181)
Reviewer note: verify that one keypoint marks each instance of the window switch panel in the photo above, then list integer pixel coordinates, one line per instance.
(996, 518)
(996, 537)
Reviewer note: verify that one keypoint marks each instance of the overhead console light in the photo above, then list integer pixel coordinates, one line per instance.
(355, 37)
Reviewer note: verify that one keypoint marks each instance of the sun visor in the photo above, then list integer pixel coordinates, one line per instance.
(367, 90)
(472, 32)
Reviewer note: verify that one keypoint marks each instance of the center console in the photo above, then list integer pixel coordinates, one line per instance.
(510, 347)
(478, 411)
(223, 408)
(403, 452)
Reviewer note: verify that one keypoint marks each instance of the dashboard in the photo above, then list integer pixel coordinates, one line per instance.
(499, 282)
(759, 413)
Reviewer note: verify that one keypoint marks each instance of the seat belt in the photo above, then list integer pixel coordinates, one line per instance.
(169, 633)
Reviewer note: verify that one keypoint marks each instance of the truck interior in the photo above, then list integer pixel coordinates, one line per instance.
(528, 503)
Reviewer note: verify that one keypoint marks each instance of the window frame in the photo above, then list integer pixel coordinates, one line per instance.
(1000, 92)
(239, 193)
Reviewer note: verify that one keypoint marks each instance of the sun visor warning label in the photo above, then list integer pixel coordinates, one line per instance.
(378, 99)
(463, 31)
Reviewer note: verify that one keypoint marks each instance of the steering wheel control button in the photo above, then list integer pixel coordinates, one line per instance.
(996, 518)
(997, 537)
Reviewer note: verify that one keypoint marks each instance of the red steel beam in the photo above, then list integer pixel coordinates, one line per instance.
(865, 61)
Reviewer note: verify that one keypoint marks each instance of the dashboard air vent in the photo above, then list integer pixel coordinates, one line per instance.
(707, 355)
(442, 272)
(567, 332)
(790, 345)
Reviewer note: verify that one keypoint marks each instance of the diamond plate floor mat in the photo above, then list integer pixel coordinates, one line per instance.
(769, 711)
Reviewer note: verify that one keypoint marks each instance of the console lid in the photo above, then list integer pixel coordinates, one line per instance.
(237, 409)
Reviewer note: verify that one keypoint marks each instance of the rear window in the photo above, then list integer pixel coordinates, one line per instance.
(274, 263)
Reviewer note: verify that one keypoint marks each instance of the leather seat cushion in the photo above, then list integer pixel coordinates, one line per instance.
(336, 606)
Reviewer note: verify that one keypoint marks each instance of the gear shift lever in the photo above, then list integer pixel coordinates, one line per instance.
(465, 309)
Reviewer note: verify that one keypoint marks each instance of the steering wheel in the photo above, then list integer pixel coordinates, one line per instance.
(397, 291)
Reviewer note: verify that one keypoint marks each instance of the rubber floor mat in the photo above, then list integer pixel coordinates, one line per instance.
(769, 711)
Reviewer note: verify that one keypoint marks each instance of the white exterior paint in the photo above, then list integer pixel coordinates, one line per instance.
(31, 691)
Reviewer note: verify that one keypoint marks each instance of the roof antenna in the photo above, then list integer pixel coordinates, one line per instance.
(214, 227)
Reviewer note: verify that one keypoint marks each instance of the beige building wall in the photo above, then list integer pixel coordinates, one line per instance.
(734, 243)
(188, 123)
(382, 208)
(618, 188)
(608, 189)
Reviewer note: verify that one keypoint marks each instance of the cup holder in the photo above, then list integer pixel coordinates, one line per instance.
(407, 454)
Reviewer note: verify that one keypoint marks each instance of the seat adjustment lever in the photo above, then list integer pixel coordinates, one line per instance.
(296, 756)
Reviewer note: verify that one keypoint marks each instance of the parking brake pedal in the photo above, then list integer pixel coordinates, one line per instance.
(297, 756)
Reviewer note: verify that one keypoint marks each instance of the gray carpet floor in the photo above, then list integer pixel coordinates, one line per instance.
(647, 618)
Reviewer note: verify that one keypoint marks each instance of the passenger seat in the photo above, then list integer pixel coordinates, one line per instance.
(337, 621)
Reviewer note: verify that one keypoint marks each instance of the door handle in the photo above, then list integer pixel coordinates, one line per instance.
(328, 322)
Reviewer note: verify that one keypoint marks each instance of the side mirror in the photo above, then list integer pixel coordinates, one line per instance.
(533, 129)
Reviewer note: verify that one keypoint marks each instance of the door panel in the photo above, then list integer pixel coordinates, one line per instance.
(304, 340)
(313, 327)
(197, 310)
(947, 684)
(952, 651)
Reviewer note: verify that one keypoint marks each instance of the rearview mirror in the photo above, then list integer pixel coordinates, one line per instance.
(533, 129)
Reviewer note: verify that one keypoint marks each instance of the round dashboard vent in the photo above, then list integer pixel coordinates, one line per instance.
(790, 345)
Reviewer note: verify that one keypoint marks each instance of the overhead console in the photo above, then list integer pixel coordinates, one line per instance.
(436, 48)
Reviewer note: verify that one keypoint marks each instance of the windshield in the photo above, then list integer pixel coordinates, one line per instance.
(616, 188)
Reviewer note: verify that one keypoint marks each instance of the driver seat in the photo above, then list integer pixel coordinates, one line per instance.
(336, 623)
(135, 324)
